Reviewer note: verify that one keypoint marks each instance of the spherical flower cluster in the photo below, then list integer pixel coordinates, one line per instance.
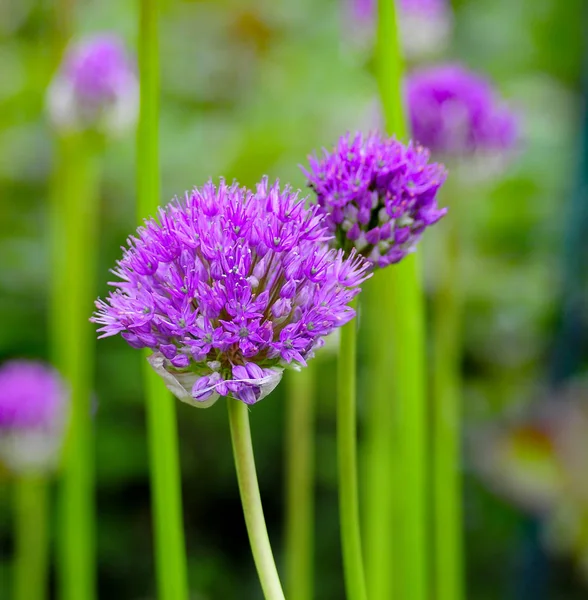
(378, 195)
(228, 287)
(95, 88)
(424, 25)
(33, 405)
(455, 112)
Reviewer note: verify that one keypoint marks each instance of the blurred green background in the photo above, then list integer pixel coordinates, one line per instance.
(250, 87)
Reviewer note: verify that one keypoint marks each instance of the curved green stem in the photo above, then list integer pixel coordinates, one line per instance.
(299, 483)
(448, 553)
(251, 500)
(347, 455)
(170, 553)
(31, 533)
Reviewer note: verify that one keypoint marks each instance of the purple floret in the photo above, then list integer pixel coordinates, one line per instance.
(33, 411)
(378, 195)
(424, 25)
(32, 396)
(228, 287)
(456, 112)
(431, 7)
(365, 9)
(98, 68)
(96, 86)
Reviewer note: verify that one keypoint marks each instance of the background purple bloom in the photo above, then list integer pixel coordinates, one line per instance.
(228, 288)
(378, 195)
(425, 25)
(454, 111)
(96, 87)
(33, 404)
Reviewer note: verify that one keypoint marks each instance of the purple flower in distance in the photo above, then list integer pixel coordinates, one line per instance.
(378, 195)
(95, 88)
(456, 113)
(425, 25)
(33, 406)
(229, 287)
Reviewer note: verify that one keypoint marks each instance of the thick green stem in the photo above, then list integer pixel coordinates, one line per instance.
(448, 551)
(31, 533)
(408, 389)
(170, 553)
(404, 308)
(74, 342)
(299, 484)
(390, 69)
(382, 467)
(347, 456)
(251, 500)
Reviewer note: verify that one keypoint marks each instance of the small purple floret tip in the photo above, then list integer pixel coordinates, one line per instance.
(378, 195)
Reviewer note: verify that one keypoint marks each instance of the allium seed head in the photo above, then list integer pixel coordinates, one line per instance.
(228, 287)
(33, 406)
(378, 195)
(95, 88)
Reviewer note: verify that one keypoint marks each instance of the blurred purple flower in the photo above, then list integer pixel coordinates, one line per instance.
(425, 25)
(230, 287)
(456, 113)
(95, 87)
(378, 195)
(33, 404)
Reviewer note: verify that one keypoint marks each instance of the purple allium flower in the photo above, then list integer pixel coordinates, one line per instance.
(378, 195)
(33, 405)
(95, 88)
(455, 112)
(425, 25)
(228, 287)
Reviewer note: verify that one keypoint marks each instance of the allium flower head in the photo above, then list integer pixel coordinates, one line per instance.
(425, 25)
(95, 88)
(33, 404)
(455, 112)
(228, 287)
(378, 195)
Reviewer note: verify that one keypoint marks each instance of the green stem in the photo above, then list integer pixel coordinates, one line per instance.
(448, 552)
(382, 467)
(31, 532)
(166, 489)
(408, 390)
(64, 17)
(74, 343)
(251, 500)
(404, 307)
(347, 456)
(390, 69)
(170, 554)
(299, 483)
